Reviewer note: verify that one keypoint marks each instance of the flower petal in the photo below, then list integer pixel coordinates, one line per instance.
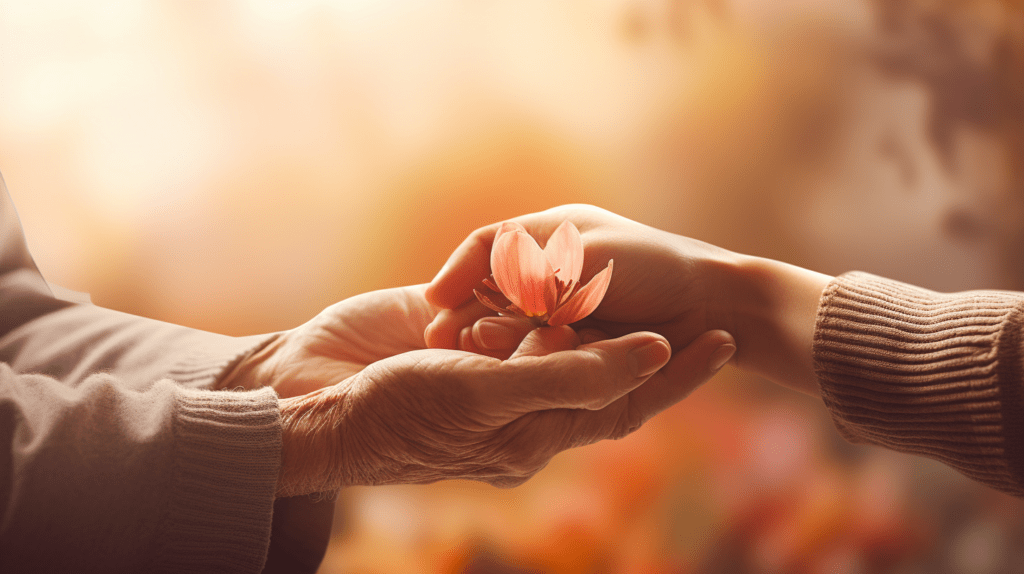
(507, 226)
(565, 252)
(523, 273)
(584, 301)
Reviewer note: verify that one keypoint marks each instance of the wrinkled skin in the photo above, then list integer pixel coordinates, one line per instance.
(426, 415)
(381, 408)
(364, 402)
(333, 346)
(432, 415)
(339, 342)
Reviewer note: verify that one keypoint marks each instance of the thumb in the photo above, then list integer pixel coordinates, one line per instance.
(548, 372)
(465, 269)
(689, 368)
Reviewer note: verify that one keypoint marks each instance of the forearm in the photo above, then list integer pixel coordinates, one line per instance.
(40, 333)
(304, 452)
(934, 374)
(770, 308)
(186, 476)
(74, 341)
(316, 451)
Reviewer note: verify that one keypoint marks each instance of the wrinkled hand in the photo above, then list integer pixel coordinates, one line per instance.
(430, 415)
(333, 346)
(339, 342)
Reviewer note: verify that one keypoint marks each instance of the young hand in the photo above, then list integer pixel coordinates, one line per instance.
(662, 282)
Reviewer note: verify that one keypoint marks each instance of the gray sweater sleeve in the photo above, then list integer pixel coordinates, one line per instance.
(40, 333)
(111, 479)
(115, 453)
(935, 374)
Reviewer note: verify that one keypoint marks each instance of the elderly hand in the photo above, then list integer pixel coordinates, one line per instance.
(430, 415)
(339, 342)
(665, 283)
(333, 346)
(403, 413)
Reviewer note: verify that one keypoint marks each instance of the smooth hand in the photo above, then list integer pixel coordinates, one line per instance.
(665, 283)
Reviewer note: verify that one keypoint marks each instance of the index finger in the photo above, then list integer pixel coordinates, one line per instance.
(468, 265)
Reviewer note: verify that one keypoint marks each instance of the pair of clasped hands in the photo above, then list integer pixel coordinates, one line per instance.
(424, 383)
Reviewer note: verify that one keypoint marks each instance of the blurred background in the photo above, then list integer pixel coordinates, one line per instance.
(238, 166)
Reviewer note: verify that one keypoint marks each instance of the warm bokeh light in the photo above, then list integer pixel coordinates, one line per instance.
(237, 166)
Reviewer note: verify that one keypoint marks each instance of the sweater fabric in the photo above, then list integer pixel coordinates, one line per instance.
(115, 455)
(927, 373)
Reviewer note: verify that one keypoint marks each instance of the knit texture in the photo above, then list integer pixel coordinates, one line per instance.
(927, 373)
(226, 462)
(114, 444)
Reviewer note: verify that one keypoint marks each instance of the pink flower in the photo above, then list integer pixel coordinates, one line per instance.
(542, 285)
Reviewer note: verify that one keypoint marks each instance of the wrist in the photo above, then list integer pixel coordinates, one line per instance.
(310, 436)
(252, 371)
(770, 308)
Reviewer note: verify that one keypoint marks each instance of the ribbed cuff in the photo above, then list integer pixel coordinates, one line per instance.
(227, 457)
(927, 373)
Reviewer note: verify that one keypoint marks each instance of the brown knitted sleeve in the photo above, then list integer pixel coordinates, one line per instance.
(934, 374)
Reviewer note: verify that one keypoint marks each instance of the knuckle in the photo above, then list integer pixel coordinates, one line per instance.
(483, 235)
(630, 420)
(602, 384)
(597, 401)
(577, 207)
(526, 462)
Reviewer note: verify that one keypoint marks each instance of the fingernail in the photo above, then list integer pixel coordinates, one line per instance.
(721, 356)
(648, 359)
(495, 336)
(466, 342)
